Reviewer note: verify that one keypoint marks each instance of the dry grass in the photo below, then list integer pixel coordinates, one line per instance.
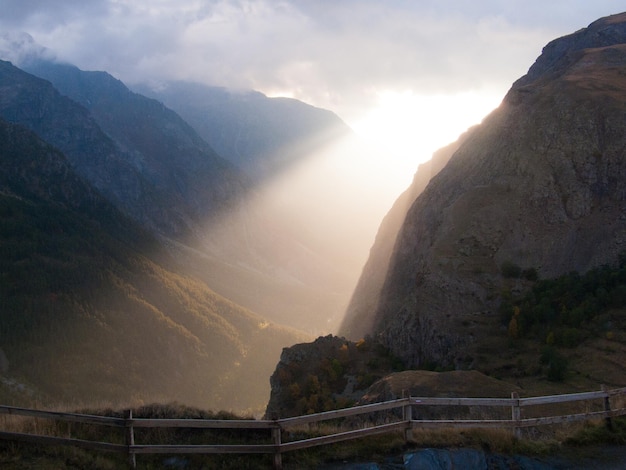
(543, 441)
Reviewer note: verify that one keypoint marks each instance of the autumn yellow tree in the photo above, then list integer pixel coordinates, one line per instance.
(514, 323)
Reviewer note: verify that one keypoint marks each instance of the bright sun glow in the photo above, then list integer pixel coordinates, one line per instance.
(407, 127)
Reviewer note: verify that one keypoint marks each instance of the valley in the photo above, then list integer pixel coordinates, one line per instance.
(195, 245)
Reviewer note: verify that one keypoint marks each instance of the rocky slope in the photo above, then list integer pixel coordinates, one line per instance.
(357, 322)
(324, 375)
(540, 183)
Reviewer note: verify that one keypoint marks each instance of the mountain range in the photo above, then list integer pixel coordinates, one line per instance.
(274, 251)
(151, 169)
(262, 136)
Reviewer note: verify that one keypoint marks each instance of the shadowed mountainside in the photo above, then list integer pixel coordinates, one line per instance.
(273, 252)
(93, 309)
(540, 184)
(190, 182)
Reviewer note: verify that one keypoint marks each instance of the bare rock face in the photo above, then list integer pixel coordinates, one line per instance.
(540, 183)
(358, 322)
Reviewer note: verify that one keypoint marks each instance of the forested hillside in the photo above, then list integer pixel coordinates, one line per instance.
(93, 309)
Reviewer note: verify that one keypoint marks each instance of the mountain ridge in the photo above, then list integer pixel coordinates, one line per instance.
(263, 136)
(365, 296)
(158, 145)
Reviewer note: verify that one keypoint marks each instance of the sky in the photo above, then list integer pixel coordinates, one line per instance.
(408, 76)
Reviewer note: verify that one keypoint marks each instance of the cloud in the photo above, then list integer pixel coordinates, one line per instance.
(21, 47)
(47, 13)
(338, 55)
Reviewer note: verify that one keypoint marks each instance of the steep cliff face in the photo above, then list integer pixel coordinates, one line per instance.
(540, 183)
(358, 320)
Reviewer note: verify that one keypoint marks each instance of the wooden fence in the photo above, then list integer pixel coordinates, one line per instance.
(401, 415)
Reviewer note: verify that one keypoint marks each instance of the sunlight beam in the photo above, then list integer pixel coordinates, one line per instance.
(407, 127)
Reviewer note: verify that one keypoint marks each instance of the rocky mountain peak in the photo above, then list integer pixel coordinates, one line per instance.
(558, 55)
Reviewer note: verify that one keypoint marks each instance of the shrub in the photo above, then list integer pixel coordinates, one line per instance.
(571, 337)
(556, 362)
(530, 274)
(510, 270)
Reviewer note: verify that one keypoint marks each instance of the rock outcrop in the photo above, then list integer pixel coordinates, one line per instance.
(540, 183)
(327, 374)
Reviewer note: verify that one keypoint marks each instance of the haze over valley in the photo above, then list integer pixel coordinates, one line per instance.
(183, 202)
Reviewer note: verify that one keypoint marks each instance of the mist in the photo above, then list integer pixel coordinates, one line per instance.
(307, 231)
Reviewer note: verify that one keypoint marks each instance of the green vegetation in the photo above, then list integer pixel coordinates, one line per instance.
(568, 305)
(327, 383)
(563, 313)
(591, 434)
(556, 363)
(511, 270)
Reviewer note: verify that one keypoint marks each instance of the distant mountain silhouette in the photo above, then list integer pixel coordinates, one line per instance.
(260, 135)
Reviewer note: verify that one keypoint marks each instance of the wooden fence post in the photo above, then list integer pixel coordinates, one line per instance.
(516, 414)
(276, 438)
(607, 407)
(130, 438)
(407, 415)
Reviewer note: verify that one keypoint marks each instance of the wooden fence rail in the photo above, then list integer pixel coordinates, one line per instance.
(281, 439)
